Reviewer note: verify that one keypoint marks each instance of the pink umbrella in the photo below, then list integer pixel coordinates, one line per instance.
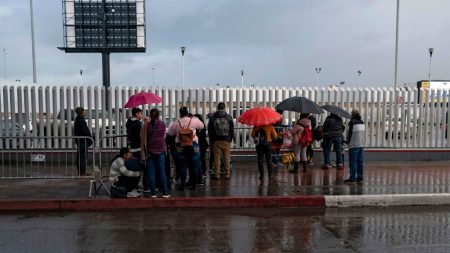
(142, 98)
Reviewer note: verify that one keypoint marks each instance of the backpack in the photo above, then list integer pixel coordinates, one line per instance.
(261, 137)
(221, 126)
(306, 137)
(318, 133)
(185, 135)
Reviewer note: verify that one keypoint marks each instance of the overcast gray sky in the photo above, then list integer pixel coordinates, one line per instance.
(276, 43)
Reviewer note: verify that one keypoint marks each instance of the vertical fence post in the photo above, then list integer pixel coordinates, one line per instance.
(20, 115)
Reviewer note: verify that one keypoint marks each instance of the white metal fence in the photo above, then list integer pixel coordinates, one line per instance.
(394, 118)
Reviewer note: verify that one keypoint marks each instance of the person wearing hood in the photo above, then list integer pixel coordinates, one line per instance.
(333, 128)
(221, 130)
(356, 141)
(300, 148)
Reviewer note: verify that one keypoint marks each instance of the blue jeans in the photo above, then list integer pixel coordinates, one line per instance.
(356, 157)
(327, 143)
(156, 162)
(183, 162)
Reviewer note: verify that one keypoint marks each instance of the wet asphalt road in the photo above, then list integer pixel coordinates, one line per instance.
(404, 229)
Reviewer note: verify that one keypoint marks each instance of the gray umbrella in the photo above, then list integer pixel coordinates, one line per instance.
(337, 110)
(299, 104)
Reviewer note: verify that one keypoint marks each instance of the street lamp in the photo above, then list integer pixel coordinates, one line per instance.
(430, 50)
(359, 77)
(4, 62)
(318, 72)
(182, 56)
(153, 73)
(342, 83)
(242, 78)
(81, 77)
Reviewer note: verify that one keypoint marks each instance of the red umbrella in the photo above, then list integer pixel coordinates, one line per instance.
(142, 98)
(259, 116)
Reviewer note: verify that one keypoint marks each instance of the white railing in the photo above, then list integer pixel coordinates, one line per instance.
(394, 118)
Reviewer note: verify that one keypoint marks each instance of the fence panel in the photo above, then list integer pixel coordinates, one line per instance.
(39, 161)
(395, 118)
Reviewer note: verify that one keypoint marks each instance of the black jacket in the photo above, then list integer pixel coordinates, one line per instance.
(81, 129)
(212, 130)
(202, 142)
(134, 127)
(333, 127)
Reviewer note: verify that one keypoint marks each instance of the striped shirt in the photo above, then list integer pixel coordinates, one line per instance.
(118, 169)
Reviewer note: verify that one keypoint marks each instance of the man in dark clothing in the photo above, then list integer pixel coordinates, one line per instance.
(333, 129)
(81, 129)
(221, 129)
(134, 126)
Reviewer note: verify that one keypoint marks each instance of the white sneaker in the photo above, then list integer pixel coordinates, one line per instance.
(166, 195)
(133, 194)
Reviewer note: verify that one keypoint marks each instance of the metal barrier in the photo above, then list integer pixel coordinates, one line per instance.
(28, 158)
(106, 152)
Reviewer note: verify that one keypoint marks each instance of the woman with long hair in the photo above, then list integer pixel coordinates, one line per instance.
(153, 152)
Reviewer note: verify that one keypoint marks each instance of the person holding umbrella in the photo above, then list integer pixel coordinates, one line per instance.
(263, 132)
(263, 136)
(134, 124)
(302, 125)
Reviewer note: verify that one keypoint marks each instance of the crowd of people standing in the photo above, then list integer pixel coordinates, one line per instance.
(186, 142)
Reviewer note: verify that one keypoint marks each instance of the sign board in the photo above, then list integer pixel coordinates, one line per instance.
(37, 158)
(99, 25)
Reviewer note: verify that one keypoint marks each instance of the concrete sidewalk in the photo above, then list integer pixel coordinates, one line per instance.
(386, 183)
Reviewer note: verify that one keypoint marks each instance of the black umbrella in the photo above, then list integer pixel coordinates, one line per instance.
(337, 110)
(299, 104)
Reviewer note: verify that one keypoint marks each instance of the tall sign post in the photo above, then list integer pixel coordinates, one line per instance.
(104, 26)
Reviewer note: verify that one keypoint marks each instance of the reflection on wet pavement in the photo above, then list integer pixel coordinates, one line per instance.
(416, 229)
(380, 178)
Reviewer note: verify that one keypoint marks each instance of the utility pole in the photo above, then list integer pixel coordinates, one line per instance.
(33, 51)
(396, 44)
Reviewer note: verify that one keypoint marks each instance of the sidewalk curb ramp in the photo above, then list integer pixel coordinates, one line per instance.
(228, 202)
